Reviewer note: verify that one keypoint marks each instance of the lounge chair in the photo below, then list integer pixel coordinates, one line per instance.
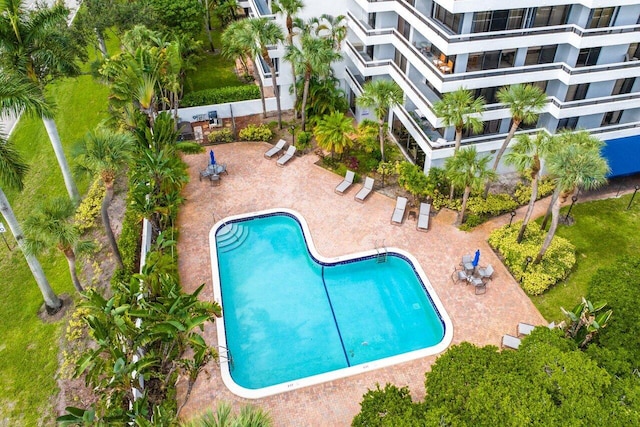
(486, 272)
(525, 328)
(287, 156)
(275, 149)
(346, 182)
(398, 212)
(423, 217)
(365, 190)
(509, 341)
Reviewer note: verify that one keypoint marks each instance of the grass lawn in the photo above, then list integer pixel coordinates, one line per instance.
(213, 71)
(604, 230)
(29, 347)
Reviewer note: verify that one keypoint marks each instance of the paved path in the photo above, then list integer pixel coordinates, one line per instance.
(339, 226)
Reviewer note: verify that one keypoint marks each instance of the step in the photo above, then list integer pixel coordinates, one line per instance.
(229, 234)
(235, 243)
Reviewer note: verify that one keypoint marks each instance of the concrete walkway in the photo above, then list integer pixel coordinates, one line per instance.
(339, 225)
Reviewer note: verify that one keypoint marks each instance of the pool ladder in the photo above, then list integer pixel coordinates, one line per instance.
(381, 252)
(224, 355)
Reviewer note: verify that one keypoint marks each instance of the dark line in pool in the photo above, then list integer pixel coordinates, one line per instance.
(344, 350)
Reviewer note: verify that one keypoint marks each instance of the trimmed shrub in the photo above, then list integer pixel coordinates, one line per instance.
(535, 278)
(522, 193)
(129, 245)
(89, 209)
(256, 133)
(303, 140)
(493, 205)
(220, 136)
(221, 95)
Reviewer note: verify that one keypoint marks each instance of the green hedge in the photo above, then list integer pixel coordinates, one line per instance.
(535, 278)
(129, 245)
(256, 133)
(522, 193)
(221, 95)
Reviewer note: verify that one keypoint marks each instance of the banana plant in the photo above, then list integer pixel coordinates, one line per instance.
(587, 319)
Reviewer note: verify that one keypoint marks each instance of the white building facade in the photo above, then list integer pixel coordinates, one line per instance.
(585, 55)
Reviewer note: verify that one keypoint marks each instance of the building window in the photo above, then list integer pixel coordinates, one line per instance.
(488, 93)
(601, 17)
(447, 18)
(623, 86)
(588, 57)
(490, 127)
(633, 52)
(403, 27)
(549, 16)
(611, 118)
(372, 20)
(491, 60)
(541, 84)
(497, 20)
(577, 92)
(540, 55)
(569, 123)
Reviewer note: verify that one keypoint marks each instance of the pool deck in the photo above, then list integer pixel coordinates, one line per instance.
(339, 225)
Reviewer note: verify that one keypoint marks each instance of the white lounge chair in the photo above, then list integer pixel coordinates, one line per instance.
(398, 212)
(509, 341)
(275, 149)
(346, 182)
(423, 217)
(525, 328)
(287, 156)
(486, 272)
(365, 190)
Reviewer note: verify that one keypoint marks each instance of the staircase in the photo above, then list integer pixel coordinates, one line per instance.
(231, 236)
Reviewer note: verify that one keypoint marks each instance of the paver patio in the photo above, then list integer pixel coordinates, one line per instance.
(339, 225)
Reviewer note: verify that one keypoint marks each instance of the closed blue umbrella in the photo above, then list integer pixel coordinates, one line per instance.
(213, 158)
(476, 258)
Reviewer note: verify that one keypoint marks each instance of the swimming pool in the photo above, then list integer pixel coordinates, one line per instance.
(293, 318)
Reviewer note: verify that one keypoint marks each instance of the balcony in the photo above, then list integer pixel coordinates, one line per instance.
(260, 9)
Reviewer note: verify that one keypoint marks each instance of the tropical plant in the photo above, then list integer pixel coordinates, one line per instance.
(334, 132)
(413, 179)
(525, 102)
(51, 225)
(333, 28)
(386, 169)
(38, 46)
(105, 153)
(313, 58)
(525, 155)
(460, 110)
(381, 95)
(289, 8)
(249, 416)
(12, 172)
(466, 170)
(585, 321)
(576, 162)
(325, 97)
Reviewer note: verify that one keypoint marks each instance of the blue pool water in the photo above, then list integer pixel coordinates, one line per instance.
(289, 316)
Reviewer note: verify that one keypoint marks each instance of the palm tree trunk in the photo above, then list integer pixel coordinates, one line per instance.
(256, 71)
(554, 197)
(207, 25)
(305, 97)
(381, 137)
(503, 148)
(527, 216)
(458, 141)
(555, 217)
(102, 46)
(69, 183)
(71, 260)
(52, 303)
(463, 208)
(108, 196)
(276, 92)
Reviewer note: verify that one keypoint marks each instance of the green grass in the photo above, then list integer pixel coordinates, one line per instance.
(604, 230)
(29, 347)
(213, 71)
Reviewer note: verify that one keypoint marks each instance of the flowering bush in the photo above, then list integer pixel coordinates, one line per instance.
(256, 133)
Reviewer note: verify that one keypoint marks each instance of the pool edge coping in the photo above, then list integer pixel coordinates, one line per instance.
(339, 373)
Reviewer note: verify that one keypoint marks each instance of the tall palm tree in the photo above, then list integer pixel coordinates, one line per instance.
(576, 163)
(460, 109)
(525, 155)
(525, 102)
(105, 153)
(289, 8)
(51, 225)
(382, 95)
(334, 132)
(12, 171)
(331, 27)
(37, 44)
(465, 169)
(313, 58)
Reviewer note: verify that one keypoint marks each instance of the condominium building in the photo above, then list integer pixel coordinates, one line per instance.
(584, 54)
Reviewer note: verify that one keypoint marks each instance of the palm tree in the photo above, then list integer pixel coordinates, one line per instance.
(223, 417)
(313, 58)
(51, 225)
(525, 102)
(331, 27)
(465, 169)
(525, 156)
(289, 8)
(382, 95)
(576, 163)
(334, 132)
(37, 45)
(105, 153)
(12, 171)
(459, 109)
